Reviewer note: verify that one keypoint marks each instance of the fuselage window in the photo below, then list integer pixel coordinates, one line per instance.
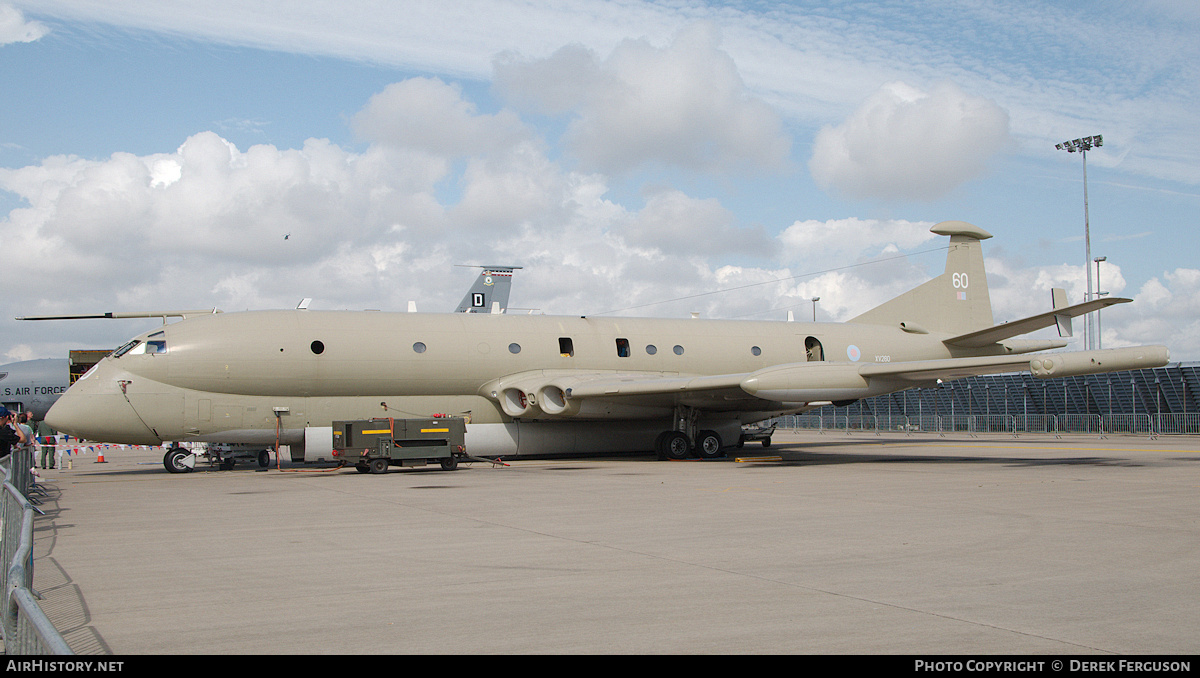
(678, 349)
(317, 347)
(622, 348)
(514, 348)
(566, 347)
(651, 349)
(419, 347)
(755, 351)
(156, 346)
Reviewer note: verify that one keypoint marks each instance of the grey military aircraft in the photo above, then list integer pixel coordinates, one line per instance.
(33, 385)
(538, 384)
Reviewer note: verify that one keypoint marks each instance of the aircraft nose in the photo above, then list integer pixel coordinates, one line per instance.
(95, 409)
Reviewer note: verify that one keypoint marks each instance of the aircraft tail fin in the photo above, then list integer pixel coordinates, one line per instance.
(956, 302)
(489, 294)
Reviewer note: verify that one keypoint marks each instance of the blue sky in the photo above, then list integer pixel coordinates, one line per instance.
(153, 155)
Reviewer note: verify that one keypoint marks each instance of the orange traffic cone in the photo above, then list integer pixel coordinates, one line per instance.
(100, 456)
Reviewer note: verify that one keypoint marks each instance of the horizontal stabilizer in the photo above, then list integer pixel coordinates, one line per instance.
(996, 333)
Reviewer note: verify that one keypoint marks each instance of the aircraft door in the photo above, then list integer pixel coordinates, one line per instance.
(197, 414)
(813, 348)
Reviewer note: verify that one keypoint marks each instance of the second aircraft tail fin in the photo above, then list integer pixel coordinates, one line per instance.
(489, 292)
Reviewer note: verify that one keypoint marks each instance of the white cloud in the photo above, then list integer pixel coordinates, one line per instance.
(19, 352)
(426, 114)
(683, 105)
(1165, 310)
(847, 240)
(203, 226)
(138, 230)
(674, 222)
(1058, 69)
(14, 27)
(907, 144)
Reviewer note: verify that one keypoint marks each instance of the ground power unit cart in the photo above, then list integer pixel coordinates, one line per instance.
(372, 445)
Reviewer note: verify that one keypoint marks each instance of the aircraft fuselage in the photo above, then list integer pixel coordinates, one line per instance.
(225, 376)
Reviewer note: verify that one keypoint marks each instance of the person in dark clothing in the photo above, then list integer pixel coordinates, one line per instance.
(10, 434)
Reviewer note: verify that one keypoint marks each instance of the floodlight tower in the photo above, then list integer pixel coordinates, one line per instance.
(1083, 145)
(1099, 333)
(814, 301)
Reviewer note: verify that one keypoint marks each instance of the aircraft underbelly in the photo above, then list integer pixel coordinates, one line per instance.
(577, 437)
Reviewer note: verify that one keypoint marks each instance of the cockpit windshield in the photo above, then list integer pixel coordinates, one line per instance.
(155, 343)
(125, 349)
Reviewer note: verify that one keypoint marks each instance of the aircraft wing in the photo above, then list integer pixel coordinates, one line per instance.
(608, 385)
(848, 381)
(991, 335)
(807, 382)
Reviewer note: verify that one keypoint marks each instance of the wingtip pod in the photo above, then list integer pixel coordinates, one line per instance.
(1092, 362)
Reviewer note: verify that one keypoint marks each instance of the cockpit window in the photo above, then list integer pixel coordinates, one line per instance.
(125, 349)
(156, 343)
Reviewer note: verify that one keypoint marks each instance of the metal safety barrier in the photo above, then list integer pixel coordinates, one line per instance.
(27, 629)
(1177, 424)
(1151, 425)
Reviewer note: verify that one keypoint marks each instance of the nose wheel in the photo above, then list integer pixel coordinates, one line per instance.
(179, 460)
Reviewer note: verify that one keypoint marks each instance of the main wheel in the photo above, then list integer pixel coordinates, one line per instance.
(708, 445)
(173, 460)
(658, 446)
(675, 445)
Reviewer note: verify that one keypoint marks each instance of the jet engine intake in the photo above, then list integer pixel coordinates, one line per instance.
(553, 399)
(517, 402)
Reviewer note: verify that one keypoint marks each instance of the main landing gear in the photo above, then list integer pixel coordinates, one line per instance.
(678, 444)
